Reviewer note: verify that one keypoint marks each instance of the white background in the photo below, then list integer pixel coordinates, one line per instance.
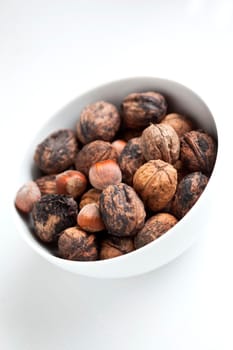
(51, 51)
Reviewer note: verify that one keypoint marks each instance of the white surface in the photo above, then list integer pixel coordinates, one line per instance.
(50, 52)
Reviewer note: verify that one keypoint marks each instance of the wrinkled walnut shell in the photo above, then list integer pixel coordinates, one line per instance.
(47, 184)
(122, 210)
(141, 109)
(155, 227)
(112, 247)
(160, 142)
(155, 182)
(100, 120)
(57, 152)
(180, 123)
(91, 196)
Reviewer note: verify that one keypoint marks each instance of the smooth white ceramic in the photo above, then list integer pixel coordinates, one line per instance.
(176, 240)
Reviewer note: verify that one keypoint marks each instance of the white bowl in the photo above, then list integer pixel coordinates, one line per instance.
(176, 240)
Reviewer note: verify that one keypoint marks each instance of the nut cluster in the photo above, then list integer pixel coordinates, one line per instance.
(120, 181)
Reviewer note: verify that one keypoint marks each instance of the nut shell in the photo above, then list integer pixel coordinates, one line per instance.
(131, 159)
(76, 244)
(155, 182)
(180, 123)
(188, 191)
(71, 182)
(26, 196)
(112, 247)
(89, 218)
(57, 152)
(122, 210)
(160, 142)
(198, 151)
(47, 184)
(141, 109)
(100, 120)
(52, 214)
(91, 196)
(118, 145)
(105, 173)
(92, 153)
(155, 227)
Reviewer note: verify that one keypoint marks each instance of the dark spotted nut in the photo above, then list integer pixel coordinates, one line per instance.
(113, 246)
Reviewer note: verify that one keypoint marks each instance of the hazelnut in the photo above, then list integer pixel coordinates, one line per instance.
(160, 142)
(122, 210)
(118, 145)
(47, 184)
(112, 247)
(180, 123)
(71, 182)
(141, 109)
(100, 120)
(89, 218)
(91, 196)
(155, 227)
(198, 151)
(76, 244)
(26, 196)
(131, 159)
(57, 152)
(92, 153)
(52, 214)
(188, 191)
(155, 181)
(104, 173)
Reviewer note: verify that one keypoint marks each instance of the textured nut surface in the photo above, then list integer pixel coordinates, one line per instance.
(100, 120)
(198, 151)
(112, 247)
(180, 123)
(26, 196)
(47, 184)
(57, 152)
(188, 191)
(105, 173)
(91, 196)
(89, 218)
(160, 142)
(155, 227)
(118, 145)
(71, 182)
(129, 134)
(52, 214)
(155, 181)
(122, 210)
(141, 109)
(76, 244)
(92, 153)
(131, 159)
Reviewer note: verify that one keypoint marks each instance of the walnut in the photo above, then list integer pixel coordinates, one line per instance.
(112, 247)
(188, 191)
(180, 123)
(155, 181)
(99, 120)
(198, 151)
(122, 211)
(91, 196)
(141, 109)
(155, 227)
(160, 142)
(92, 153)
(57, 152)
(131, 159)
(47, 184)
(128, 134)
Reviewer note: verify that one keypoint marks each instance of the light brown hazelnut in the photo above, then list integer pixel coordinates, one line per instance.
(118, 145)
(91, 196)
(180, 123)
(26, 196)
(89, 218)
(71, 182)
(104, 173)
(112, 247)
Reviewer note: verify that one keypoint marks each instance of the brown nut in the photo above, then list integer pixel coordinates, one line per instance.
(188, 191)
(180, 123)
(76, 244)
(155, 227)
(91, 196)
(155, 181)
(57, 152)
(198, 151)
(118, 145)
(92, 153)
(129, 134)
(105, 173)
(71, 182)
(26, 196)
(112, 247)
(131, 159)
(141, 109)
(100, 120)
(52, 214)
(122, 210)
(47, 184)
(160, 142)
(89, 218)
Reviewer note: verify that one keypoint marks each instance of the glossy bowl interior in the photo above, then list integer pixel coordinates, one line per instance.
(180, 99)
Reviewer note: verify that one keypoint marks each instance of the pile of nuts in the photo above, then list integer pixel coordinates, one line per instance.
(118, 182)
